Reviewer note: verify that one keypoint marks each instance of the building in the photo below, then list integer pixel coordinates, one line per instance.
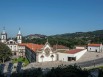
(45, 53)
(70, 55)
(80, 47)
(95, 47)
(39, 53)
(12, 44)
(3, 36)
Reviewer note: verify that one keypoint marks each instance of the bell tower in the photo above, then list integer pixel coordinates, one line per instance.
(19, 37)
(3, 36)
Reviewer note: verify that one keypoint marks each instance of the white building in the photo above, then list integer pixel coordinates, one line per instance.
(21, 50)
(95, 47)
(12, 44)
(80, 47)
(3, 36)
(70, 55)
(46, 54)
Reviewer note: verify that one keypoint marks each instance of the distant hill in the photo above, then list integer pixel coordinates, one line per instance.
(32, 36)
(97, 33)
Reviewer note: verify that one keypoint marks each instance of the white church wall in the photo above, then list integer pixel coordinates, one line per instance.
(48, 55)
(13, 47)
(46, 58)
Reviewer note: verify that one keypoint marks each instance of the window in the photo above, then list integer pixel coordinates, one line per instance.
(11, 42)
(3, 37)
(14, 53)
(90, 48)
(47, 51)
(71, 58)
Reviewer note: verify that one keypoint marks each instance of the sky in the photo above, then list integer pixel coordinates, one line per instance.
(50, 17)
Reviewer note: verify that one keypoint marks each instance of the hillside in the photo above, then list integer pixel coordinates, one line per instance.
(69, 39)
(32, 36)
(97, 33)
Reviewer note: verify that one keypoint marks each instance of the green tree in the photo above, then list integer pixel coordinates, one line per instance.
(67, 71)
(5, 52)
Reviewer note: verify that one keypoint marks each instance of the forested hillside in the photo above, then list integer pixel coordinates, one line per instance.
(97, 33)
(71, 39)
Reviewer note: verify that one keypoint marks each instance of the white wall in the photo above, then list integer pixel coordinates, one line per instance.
(64, 56)
(46, 58)
(13, 47)
(80, 54)
(93, 49)
(21, 48)
(77, 47)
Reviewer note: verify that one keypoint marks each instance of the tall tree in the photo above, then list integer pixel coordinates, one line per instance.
(5, 52)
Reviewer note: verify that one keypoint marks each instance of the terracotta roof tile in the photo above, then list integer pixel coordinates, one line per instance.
(95, 45)
(32, 46)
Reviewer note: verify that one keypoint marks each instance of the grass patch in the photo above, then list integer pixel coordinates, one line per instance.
(21, 59)
(100, 67)
(97, 67)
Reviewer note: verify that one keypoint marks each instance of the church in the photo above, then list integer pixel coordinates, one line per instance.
(12, 44)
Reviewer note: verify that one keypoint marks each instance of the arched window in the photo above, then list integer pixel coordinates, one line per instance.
(42, 56)
(11, 42)
(52, 56)
(3, 37)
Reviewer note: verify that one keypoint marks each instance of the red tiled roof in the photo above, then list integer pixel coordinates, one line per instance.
(32, 46)
(74, 51)
(60, 47)
(95, 45)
